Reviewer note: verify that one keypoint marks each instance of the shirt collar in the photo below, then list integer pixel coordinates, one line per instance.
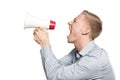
(87, 49)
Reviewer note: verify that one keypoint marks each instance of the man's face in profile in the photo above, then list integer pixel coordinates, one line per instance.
(76, 27)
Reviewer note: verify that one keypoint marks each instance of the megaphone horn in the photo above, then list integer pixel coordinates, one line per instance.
(32, 22)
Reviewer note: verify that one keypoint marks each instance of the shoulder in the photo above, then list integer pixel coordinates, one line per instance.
(92, 61)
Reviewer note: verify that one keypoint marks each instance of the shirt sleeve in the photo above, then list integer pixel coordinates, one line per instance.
(76, 71)
(68, 59)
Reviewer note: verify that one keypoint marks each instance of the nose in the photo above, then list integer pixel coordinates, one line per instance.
(70, 22)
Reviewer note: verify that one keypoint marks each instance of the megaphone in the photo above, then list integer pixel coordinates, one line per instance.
(33, 21)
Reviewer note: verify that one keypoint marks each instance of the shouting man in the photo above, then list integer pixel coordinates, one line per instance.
(87, 61)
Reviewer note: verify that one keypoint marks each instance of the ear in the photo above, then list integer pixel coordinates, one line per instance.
(85, 31)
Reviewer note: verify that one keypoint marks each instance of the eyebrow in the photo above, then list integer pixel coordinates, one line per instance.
(74, 20)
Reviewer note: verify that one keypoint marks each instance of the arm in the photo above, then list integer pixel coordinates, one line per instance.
(55, 71)
(68, 59)
(83, 69)
(41, 37)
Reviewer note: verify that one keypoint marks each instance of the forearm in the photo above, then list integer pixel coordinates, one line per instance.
(50, 63)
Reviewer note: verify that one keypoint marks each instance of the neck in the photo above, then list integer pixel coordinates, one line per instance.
(81, 43)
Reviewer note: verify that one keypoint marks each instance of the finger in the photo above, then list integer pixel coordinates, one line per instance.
(43, 29)
(39, 30)
(36, 40)
(34, 32)
(36, 37)
(36, 28)
(38, 33)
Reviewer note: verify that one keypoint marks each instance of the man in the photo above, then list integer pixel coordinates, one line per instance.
(86, 61)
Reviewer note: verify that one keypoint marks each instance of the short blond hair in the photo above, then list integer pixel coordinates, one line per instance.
(94, 22)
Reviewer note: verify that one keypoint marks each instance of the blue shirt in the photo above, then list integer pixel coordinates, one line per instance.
(91, 63)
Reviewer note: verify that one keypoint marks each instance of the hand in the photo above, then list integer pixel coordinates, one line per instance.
(41, 36)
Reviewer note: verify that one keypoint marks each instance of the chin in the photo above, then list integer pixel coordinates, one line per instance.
(69, 41)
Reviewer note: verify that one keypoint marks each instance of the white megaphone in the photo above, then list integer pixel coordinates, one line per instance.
(32, 22)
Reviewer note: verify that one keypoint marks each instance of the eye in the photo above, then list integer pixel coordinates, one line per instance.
(75, 20)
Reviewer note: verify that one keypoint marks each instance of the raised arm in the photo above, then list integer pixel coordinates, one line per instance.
(76, 71)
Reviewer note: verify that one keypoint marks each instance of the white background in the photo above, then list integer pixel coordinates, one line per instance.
(19, 54)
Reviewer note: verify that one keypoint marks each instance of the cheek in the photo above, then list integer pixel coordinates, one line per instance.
(75, 34)
(76, 31)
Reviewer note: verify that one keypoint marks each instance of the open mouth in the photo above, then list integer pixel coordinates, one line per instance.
(70, 29)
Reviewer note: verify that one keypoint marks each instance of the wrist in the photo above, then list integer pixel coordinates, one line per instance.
(45, 44)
